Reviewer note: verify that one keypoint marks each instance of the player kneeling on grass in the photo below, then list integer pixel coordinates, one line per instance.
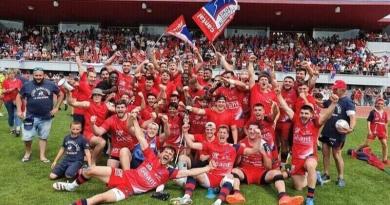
(306, 126)
(257, 169)
(377, 127)
(124, 183)
(74, 146)
(224, 155)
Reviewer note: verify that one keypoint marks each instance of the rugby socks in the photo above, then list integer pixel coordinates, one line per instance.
(80, 202)
(281, 194)
(190, 186)
(225, 190)
(310, 192)
(80, 179)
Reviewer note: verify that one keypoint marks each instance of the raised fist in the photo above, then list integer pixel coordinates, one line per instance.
(93, 119)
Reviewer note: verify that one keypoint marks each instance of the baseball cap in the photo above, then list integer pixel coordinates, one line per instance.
(339, 84)
(38, 69)
(97, 91)
(210, 125)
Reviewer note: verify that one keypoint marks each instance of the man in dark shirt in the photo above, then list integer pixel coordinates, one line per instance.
(332, 139)
(39, 95)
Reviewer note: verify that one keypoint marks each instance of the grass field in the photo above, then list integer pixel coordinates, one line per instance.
(28, 183)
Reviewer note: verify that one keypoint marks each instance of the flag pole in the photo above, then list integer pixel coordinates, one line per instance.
(158, 40)
(212, 45)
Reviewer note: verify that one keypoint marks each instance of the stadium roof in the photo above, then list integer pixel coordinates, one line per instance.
(278, 14)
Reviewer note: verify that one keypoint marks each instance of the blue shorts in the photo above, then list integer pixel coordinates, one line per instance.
(40, 127)
(67, 169)
(334, 142)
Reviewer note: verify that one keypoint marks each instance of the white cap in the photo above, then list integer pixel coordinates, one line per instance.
(210, 124)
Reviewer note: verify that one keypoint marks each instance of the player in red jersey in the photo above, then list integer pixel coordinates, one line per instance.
(260, 92)
(84, 89)
(266, 125)
(174, 121)
(284, 124)
(125, 79)
(198, 122)
(377, 124)
(305, 68)
(306, 127)
(95, 107)
(305, 98)
(119, 131)
(233, 90)
(224, 155)
(219, 115)
(201, 157)
(257, 169)
(125, 183)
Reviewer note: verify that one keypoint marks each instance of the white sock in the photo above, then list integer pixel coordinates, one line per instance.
(74, 184)
(187, 196)
(160, 188)
(218, 202)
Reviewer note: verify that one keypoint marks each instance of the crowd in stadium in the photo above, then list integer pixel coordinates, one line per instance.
(282, 51)
(164, 104)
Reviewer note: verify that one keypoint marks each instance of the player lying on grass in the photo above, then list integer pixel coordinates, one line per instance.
(306, 127)
(151, 173)
(257, 169)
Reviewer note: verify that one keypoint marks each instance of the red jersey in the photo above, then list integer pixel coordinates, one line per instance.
(150, 174)
(15, 84)
(176, 79)
(300, 102)
(234, 100)
(265, 98)
(268, 135)
(290, 96)
(225, 117)
(124, 83)
(253, 160)
(197, 123)
(100, 110)
(223, 155)
(76, 110)
(202, 139)
(175, 124)
(146, 113)
(84, 89)
(305, 137)
(378, 122)
(120, 133)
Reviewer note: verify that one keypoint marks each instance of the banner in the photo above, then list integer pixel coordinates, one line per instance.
(213, 17)
(179, 29)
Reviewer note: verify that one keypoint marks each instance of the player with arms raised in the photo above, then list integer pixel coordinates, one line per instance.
(306, 127)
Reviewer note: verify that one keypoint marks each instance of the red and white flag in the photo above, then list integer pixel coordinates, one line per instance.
(213, 17)
(179, 29)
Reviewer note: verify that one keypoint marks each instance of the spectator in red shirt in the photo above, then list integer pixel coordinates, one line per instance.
(11, 87)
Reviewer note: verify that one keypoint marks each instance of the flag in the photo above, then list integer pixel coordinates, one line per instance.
(179, 29)
(213, 17)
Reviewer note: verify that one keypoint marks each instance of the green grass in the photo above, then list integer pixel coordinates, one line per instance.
(28, 183)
